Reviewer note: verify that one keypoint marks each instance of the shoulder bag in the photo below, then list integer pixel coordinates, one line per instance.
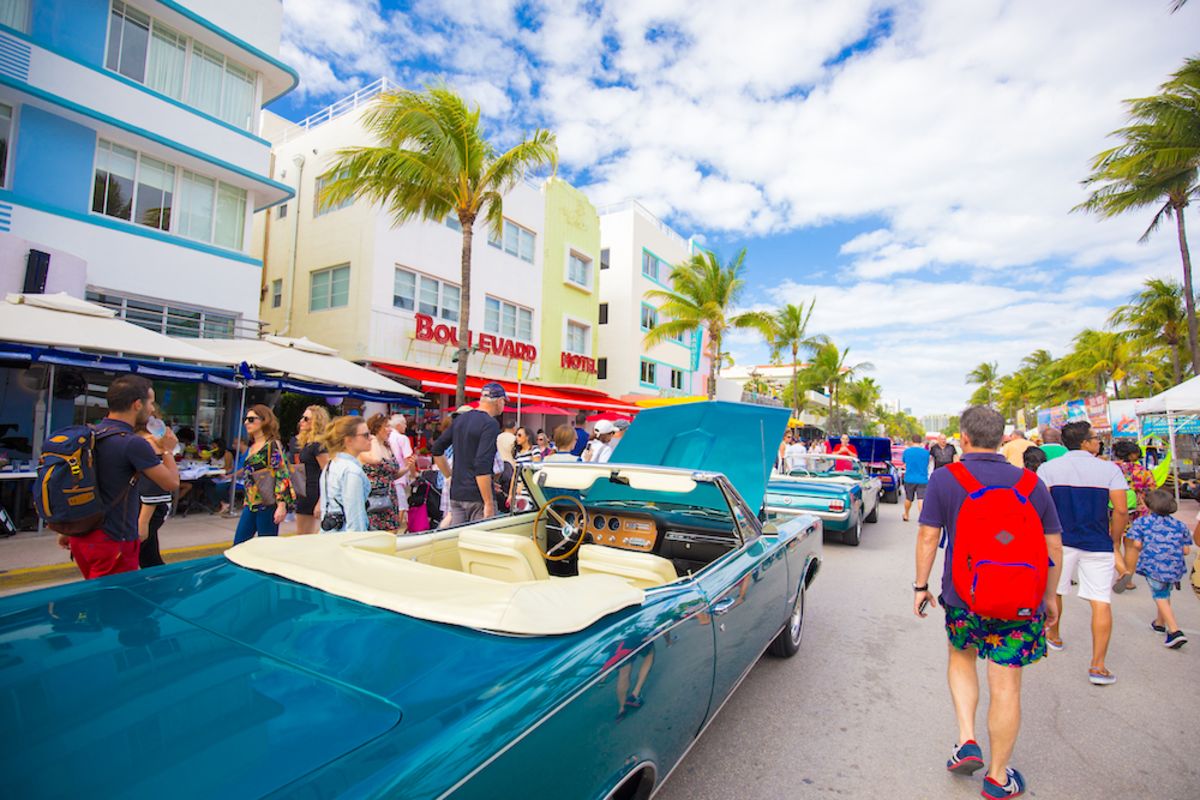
(264, 479)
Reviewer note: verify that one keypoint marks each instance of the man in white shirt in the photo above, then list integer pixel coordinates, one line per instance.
(600, 448)
(794, 454)
(402, 449)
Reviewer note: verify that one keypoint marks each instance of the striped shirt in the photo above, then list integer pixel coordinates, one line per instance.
(1080, 484)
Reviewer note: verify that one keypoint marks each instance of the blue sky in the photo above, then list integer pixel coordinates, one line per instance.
(910, 164)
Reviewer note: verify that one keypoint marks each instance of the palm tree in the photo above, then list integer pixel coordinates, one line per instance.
(704, 293)
(987, 376)
(787, 330)
(431, 160)
(1155, 315)
(863, 395)
(830, 371)
(1157, 164)
(1014, 393)
(757, 384)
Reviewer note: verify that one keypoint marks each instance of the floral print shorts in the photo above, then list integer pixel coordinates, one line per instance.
(1009, 643)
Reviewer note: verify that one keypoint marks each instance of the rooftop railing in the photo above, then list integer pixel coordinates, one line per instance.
(638, 208)
(344, 106)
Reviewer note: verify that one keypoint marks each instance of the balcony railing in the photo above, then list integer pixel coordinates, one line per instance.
(344, 106)
(638, 208)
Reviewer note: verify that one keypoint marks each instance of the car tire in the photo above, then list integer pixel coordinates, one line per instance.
(892, 497)
(853, 536)
(787, 643)
(874, 515)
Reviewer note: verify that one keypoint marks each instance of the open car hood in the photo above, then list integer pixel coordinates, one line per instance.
(738, 440)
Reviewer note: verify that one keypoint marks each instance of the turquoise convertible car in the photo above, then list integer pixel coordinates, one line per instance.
(575, 651)
(838, 489)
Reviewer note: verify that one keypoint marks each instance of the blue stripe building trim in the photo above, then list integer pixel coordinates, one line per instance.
(70, 105)
(229, 37)
(119, 78)
(127, 227)
(14, 58)
(5, 217)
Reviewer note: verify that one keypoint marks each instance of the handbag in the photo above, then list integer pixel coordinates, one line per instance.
(264, 480)
(380, 502)
(300, 480)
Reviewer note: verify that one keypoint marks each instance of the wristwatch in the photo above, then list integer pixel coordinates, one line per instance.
(924, 588)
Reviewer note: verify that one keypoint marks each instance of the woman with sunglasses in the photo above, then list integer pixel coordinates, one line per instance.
(266, 477)
(344, 485)
(313, 457)
(382, 471)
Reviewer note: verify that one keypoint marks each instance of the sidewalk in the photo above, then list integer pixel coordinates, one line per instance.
(34, 560)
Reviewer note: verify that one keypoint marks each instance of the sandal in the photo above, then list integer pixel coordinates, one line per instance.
(1101, 677)
(1122, 583)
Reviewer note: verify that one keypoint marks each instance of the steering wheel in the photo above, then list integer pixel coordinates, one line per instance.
(568, 530)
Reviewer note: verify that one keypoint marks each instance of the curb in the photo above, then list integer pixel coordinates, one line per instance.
(30, 577)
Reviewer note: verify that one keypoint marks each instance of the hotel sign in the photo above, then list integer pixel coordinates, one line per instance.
(581, 363)
(428, 330)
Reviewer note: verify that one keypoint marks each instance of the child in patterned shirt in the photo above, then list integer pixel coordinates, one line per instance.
(1161, 542)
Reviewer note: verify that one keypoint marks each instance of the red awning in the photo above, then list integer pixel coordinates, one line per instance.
(442, 382)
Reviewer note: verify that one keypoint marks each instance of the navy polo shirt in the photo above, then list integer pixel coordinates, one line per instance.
(473, 436)
(119, 456)
(944, 497)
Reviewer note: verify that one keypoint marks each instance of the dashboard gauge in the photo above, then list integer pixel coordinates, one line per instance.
(598, 522)
(614, 524)
(569, 517)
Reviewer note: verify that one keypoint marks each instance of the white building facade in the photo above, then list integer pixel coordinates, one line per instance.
(637, 254)
(130, 156)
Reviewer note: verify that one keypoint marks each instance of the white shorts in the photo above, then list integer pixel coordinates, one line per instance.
(1094, 571)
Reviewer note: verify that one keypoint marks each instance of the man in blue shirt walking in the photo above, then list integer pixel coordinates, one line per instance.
(917, 466)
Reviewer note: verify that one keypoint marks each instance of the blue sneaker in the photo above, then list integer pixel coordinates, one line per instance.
(1014, 787)
(965, 758)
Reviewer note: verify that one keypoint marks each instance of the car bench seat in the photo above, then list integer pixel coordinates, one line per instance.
(501, 556)
(642, 570)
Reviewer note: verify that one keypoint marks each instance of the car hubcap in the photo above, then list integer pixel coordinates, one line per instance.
(797, 620)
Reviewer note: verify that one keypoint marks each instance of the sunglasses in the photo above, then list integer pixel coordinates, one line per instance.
(306, 418)
(252, 419)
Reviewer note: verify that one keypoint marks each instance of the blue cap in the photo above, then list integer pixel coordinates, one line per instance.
(493, 391)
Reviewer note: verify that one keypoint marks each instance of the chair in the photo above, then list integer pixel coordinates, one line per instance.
(501, 556)
(643, 570)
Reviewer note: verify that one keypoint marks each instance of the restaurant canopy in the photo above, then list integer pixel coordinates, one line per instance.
(61, 321)
(302, 361)
(1181, 399)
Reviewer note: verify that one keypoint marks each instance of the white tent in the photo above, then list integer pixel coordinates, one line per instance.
(1181, 399)
(59, 320)
(301, 359)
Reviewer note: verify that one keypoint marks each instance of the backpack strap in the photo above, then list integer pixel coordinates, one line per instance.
(965, 479)
(1026, 485)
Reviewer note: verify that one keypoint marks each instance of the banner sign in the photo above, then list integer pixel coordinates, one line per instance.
(1097, 411)
(1123, 420)
(1076, 411)
(1157, 426)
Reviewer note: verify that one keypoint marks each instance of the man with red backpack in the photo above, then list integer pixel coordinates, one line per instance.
(1000, 571)
(110, 544)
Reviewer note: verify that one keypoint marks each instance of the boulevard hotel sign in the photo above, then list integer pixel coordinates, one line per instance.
(429, 330)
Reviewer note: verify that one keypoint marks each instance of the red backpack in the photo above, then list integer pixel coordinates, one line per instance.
(1000, 556)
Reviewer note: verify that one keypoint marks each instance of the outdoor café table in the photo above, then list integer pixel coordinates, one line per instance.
(196, 474)
(19, 491)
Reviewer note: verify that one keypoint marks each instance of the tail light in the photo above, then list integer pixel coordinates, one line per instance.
(837, 505)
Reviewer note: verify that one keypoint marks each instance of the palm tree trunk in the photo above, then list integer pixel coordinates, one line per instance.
(795, 388)
(464, 313)
(1188, 298)
(1175, 367)
(714, 340)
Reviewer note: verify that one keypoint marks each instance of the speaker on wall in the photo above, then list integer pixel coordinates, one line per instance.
(37, 268)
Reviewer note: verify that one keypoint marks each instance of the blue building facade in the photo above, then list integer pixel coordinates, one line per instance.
(130, 156)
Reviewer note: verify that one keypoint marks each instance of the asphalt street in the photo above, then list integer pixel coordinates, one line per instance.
(863, 710)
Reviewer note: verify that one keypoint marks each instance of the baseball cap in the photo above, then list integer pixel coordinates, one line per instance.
(493, 391)
(620, 424)
(603, 427)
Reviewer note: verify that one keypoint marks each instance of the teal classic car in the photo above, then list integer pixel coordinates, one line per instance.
(838, 489)
(575, 651)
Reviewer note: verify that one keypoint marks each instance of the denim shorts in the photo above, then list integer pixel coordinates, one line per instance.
(1159, 590)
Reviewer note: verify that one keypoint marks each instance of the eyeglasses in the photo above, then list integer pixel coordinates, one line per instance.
(367, 434)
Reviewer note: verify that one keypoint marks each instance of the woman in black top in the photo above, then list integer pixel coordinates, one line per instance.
(156, 502)
(314, 457)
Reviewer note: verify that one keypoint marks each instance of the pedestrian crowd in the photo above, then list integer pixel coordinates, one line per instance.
(1023, 523)
(348, 473)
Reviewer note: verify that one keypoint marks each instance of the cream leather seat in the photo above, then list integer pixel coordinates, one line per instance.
(642, 570)
(501, 557)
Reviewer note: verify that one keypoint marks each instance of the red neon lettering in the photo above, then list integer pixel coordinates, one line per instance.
(424, 327)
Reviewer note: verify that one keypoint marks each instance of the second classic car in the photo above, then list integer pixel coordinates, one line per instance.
(575, 651)
(837, 489)
(876, 454)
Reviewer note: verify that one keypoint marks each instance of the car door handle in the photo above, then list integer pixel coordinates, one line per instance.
(721, 606)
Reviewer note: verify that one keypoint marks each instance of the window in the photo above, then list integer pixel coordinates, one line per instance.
(145, 50)
(282, 211)
(414, 292)
(579, 271)
(6, 119)
(676, 379)
(322, 182)
(211, 211)
(601, 369)
(648, 372)
(604, 313)
(453, 223)
(155, 189)
(650, 265)
(116, 168)
(505, 319)
(173, 320)
(514, 240)
(276, 293)
(604, 258)
(15, 14)
(330, 288)
(579, 338)
(649, 317)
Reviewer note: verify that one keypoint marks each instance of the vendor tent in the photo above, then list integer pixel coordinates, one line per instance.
(1181, 399)
(59, 320)
(304, 360)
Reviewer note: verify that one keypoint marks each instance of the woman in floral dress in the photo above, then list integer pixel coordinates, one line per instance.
(1127, 455)
(259, 516)
(382, 471)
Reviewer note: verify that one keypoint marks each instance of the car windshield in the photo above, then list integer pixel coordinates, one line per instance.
(630, 488)
(823, 466)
